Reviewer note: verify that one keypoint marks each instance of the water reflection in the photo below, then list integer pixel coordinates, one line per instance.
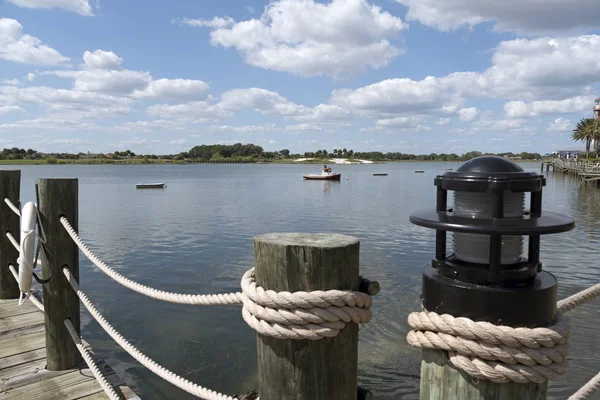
(196, 237)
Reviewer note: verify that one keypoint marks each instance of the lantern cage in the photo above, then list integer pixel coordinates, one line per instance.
(489, 221)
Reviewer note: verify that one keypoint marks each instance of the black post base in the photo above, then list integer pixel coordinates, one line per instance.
(529, 304)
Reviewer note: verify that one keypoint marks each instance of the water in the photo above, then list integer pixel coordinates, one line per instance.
(196, 237)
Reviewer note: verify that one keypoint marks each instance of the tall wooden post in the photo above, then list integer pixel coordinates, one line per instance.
(58, 197)
(10, 186)
(323, 369)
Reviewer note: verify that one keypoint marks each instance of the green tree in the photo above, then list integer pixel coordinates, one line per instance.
(588, 132)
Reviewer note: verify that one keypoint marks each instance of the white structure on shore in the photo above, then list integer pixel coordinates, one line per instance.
(338, 161)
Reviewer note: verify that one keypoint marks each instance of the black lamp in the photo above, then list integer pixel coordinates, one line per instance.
(486, 277)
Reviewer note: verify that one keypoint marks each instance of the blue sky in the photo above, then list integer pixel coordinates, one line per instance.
(415, 76)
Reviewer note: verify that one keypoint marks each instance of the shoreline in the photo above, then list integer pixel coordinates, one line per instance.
(184, 162)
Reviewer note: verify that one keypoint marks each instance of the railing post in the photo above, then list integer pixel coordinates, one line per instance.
(323, 369)
(58, 197)
(10, 186)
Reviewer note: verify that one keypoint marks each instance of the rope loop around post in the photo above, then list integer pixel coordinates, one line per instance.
(501, 353)
(301, 315)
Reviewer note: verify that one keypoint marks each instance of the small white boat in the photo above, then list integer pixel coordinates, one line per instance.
(325, 175)
(150, 186)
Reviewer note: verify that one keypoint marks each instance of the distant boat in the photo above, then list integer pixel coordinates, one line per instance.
(150, 186)
(419, 171)
(449, 169)
(325, 175)
(380, 174)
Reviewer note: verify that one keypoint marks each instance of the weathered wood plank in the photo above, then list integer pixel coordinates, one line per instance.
(58, 197)
(26, 330)
(16, 345)
(323, 369)
(20, 321)
(23, 368)
(9, 308)
(123, 390)
(22, 358)
(10, 186)
(67, 385)
(23, 373)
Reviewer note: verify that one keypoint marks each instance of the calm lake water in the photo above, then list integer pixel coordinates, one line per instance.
(196, 237)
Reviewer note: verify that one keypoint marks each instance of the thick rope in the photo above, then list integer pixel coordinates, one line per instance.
(107, 387)
(566, 305)
(588, 389)
(501, 353)
(14, 242)
(31, 295)
(283, 315)
(156, 368)
(12, 206)
(212, 299)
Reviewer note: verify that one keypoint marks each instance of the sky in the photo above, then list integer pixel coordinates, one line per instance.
(413, 76)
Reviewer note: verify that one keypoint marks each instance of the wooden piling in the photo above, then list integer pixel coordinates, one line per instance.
(440, 380)
(58, 197)
(10, 186)
(323, 369)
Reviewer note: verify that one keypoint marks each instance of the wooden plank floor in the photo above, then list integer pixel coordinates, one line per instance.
(23, 360)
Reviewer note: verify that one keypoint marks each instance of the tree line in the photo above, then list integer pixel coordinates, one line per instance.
(252, 152)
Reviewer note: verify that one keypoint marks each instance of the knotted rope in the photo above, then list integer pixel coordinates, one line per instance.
(500, 353)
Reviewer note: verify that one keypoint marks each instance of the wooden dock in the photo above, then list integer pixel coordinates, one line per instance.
(23, 362)
(584, 170)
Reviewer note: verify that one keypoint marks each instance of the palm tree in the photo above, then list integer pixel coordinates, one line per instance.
(588, 131)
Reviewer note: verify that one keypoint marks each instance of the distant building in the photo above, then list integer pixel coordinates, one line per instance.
(568, 154)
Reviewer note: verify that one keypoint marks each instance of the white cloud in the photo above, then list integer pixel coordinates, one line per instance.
(18, 47)
(180, 89)
(10, 109)
(259, 100)
(101, 59)
(77, 6)
(399, 122)
(307, 38)
(244, 129)
(303, 128)
(535, 68)
(216, 22)
(443, 121)
(392, 96)
(520, 109)
(68, 104)
(531, 16)
(468, 114)
(497, 125)
(324, 113)
(560, 125)
(201, 110)
(178, 141)
(11, 82)
(49, 124)
(102, 72)
(150, 126)
(30, 76)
